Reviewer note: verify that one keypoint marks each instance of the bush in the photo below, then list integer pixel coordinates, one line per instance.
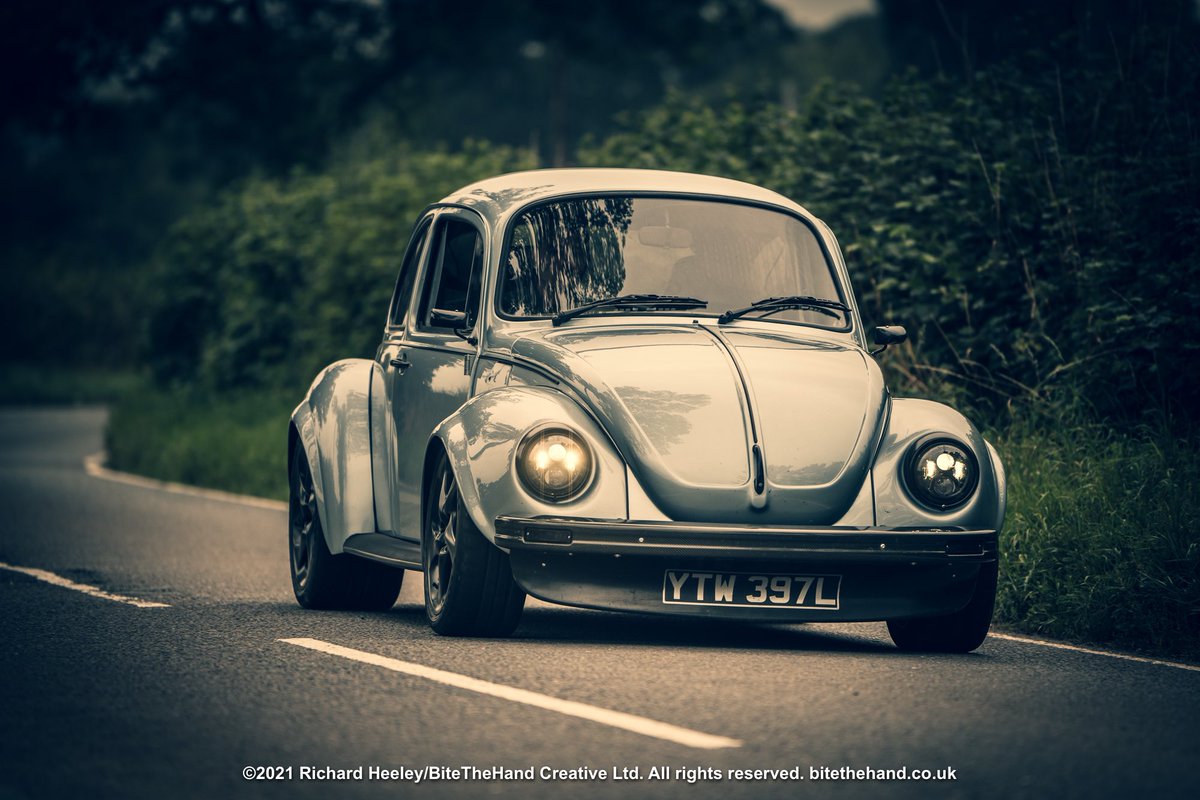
(1036, 229)
(282, 277)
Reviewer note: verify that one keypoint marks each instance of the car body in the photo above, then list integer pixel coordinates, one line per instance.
(656, 455)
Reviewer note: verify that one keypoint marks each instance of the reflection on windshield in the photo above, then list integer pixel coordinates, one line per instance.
(563, 255)
(568, 253)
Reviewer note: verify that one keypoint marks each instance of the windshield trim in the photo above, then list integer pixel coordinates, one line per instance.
(830, 264)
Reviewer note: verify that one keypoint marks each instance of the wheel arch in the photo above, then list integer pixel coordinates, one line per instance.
(333, 424)
(480, 442)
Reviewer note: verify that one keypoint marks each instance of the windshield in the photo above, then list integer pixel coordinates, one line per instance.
(571, 252)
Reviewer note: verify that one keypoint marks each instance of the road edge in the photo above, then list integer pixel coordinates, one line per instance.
(95, 466)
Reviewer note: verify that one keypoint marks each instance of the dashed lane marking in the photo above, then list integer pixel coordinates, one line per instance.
(605, 716)
(59, 580)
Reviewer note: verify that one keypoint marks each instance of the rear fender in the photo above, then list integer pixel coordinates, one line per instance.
(481, 440)
(333, 425)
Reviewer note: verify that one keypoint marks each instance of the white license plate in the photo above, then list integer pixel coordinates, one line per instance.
(749, 589)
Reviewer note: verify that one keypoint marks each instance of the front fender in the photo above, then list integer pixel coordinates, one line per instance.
(481, 440)
(333, 424)
(894, 508)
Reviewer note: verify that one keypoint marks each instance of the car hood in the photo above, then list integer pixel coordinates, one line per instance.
(688, 405)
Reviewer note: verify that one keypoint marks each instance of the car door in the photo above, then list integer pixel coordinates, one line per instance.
(429, 369)
(391, 356)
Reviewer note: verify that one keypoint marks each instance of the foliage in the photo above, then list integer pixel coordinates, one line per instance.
(1102, 539)
(283, 276)
(119, 118)
(1036, 230)
(236, 441)
(1004, 221)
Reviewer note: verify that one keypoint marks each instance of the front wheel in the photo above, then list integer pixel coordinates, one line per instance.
(319, 578)
(960, 632)
(469, 587)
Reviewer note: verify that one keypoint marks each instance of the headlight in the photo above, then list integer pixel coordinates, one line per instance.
(941, 473)
(554, 464)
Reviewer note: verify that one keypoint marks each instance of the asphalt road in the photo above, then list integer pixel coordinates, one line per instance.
(100, 698)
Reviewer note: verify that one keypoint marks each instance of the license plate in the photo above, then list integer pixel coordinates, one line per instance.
(755, 590)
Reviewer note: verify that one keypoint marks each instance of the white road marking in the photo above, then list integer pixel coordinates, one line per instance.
(615, 719)
(58, 580)
(94, 466)
(1092, 651)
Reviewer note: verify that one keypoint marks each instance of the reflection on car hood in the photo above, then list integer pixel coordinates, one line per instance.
(685, 404)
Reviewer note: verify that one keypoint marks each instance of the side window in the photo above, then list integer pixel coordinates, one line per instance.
(456, 267)
(408, 274)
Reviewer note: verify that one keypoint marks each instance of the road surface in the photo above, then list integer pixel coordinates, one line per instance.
(103, 698)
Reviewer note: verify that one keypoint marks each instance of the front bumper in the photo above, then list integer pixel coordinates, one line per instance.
(620, 565)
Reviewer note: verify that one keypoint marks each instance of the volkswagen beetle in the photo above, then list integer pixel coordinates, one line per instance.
(640, 391)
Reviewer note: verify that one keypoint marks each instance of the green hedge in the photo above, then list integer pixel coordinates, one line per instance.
(283, 276)
(1031, 257)
(1036, 230)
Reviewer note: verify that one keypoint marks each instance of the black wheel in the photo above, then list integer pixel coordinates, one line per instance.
(960, 632)
(469, 587)
(319, 578)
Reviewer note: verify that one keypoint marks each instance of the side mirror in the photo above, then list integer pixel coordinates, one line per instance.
(441, 318)
(888, 334)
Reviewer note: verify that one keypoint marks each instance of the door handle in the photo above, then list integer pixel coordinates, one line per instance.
(400, 363)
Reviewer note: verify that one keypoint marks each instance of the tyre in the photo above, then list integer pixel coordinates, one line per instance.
(960, 632)
(469, 587)
(319, 578)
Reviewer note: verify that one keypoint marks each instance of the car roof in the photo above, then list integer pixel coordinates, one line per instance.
(496, 197)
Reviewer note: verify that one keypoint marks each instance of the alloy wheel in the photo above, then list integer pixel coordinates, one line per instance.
(443, 542)
(302, 519)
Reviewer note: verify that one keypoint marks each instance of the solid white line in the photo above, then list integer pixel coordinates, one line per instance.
(1094, 652)
(58, 580)
(94, 466)
(615, 719)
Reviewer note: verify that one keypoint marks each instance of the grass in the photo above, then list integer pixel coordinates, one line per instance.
(1101, 543)
(236, 442)
(1102, 540)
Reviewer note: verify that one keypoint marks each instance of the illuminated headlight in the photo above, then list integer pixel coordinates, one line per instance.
(941, 474)
(554, 464)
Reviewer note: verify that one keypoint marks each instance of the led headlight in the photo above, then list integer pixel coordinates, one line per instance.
(554, 464)
(941, 473)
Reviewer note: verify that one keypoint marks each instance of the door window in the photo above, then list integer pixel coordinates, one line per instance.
(454, 278)
(408, 273)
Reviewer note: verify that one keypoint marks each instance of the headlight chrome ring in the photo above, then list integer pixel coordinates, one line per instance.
(941, 473)
(554, 463)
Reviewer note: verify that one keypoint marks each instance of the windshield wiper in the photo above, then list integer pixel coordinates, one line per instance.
(639, 301)
(774, 304)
